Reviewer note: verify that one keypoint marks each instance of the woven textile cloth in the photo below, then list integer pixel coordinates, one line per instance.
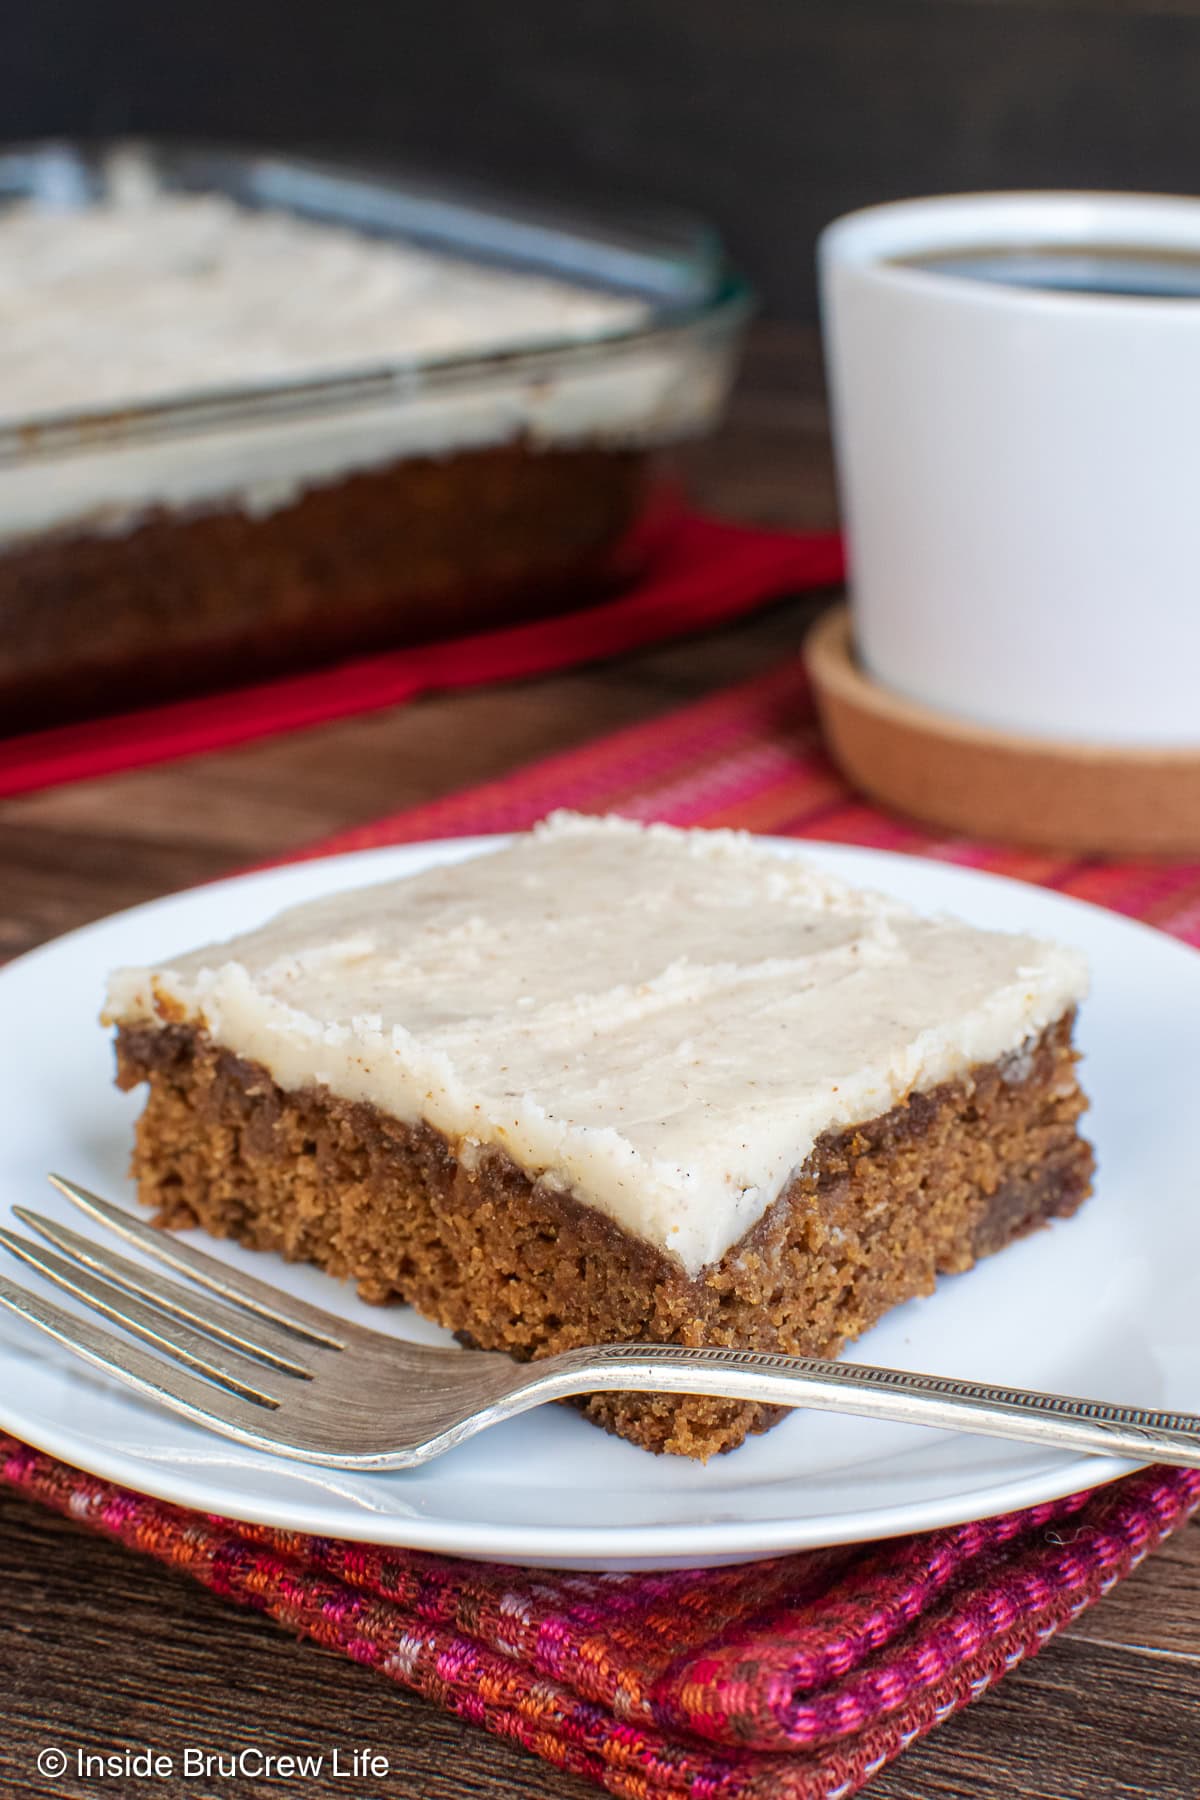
(795, 1679)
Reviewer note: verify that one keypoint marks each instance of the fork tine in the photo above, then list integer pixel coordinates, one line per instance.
(240, 1331)
(154, 1327)
(280, 1309)
(138, 1369)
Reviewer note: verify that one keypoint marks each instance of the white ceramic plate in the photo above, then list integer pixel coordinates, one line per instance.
(1101, 1305)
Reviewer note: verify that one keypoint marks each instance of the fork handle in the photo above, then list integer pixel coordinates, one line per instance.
(1050, 1421)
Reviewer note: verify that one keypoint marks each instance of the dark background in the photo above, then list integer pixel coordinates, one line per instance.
(771, 116)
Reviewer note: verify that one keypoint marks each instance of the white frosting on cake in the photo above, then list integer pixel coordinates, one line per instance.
(660, 1022)
(159, 294)
(151, 296)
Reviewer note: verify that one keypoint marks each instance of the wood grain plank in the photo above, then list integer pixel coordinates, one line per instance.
(100, 1649)
(1079, 1722)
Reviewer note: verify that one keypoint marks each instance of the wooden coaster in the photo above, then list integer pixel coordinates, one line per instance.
(995, 784)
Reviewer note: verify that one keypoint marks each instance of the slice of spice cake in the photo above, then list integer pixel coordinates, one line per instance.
(615, 1083)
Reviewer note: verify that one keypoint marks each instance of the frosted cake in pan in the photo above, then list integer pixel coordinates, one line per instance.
(266, 424)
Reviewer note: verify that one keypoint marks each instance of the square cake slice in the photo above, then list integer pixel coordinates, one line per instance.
(615, 1083)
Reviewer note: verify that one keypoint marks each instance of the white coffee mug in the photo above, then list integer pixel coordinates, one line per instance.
(1020, 467)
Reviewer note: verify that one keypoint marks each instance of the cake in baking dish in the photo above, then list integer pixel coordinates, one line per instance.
(245, 440)
(615, 1083)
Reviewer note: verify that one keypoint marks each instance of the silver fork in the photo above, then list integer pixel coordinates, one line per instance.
(256, 1365)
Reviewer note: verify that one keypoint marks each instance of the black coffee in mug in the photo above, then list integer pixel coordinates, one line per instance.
(1144, 273)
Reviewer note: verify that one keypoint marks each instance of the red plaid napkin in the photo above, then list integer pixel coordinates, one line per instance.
(795, 1679)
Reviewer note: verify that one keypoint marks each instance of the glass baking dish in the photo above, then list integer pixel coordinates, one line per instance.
(151, 546)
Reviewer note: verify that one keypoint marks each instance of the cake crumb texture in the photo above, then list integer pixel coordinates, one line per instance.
(872, 1218)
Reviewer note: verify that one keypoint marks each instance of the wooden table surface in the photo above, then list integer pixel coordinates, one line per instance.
(100, 1649)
